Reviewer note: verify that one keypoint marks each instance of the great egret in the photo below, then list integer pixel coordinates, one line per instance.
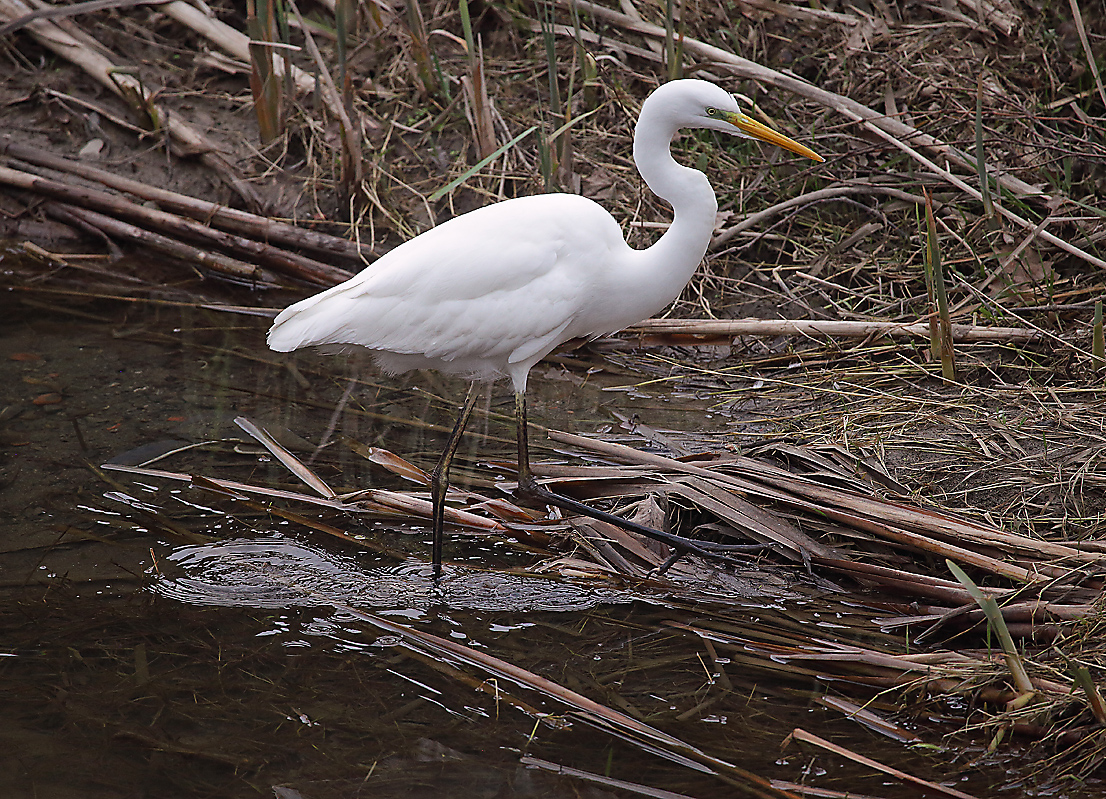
(490, 293)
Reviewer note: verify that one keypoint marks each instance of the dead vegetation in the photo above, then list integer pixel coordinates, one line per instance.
(853, 459)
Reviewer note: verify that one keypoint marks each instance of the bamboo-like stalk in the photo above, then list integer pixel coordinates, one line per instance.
(981, 159)
(935, 284)
(670, 59)
(204, 258)
(232, 41)
(588, 65)
(179, 227)
(476, 89)
(825, 329)
(264, 84)
(420, 48)
(353, 168)
(217, 215)
(1098, 339)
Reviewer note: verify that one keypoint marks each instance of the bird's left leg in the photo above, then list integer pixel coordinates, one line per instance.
(526, 480)
(439, 477)
(528, 488)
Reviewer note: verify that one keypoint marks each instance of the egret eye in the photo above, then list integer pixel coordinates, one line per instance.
(712, 112)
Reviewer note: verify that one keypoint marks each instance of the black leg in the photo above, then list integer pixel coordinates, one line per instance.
(528, 488)
(524, 477)
(439, 478)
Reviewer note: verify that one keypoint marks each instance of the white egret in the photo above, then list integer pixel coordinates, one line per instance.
(489, 293)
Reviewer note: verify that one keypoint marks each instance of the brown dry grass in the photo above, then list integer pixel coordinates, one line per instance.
(1014, 444)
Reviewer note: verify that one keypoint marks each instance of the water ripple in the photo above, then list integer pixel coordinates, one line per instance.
(277, 572)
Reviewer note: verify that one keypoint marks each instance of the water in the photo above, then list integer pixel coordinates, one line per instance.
(159, 640)
(277, 572)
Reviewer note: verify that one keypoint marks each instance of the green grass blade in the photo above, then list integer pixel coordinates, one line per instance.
(994, 618)
(483, 162)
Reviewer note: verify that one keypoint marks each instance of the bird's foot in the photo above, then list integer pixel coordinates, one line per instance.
(530, 491)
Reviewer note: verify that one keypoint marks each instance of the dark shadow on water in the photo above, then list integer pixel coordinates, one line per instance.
(156, 645)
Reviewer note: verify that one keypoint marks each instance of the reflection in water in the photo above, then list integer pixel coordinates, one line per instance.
(277, 572)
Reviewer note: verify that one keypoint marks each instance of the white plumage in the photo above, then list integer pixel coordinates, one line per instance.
(483, 295)
(488, 294)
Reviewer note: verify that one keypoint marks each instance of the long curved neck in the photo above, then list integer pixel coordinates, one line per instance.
(673, 259)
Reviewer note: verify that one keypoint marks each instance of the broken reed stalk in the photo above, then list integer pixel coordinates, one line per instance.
(595, 714)
(202, 257)
(588, 65)
(823, 329)
(941, 343)
(353, 168)
(138, 98)
(546, 151)
(387, 504)
(237, 45)
(1098, 340)
(670, 58)
(119, 208)
(1083, 679)
(420, 48)
(265, 86)
(931, 299)
(216, 215)
(556, 149)
(476, 90)
(981, 160)
(345, 23)
(285, 456)
(563, 134)
(799, 734)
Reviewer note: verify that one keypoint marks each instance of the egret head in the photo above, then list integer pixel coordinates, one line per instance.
(699, 104)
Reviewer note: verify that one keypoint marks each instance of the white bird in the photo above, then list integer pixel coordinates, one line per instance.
(490, 293)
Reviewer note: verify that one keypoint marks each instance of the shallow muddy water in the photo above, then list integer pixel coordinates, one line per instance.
(162, 641)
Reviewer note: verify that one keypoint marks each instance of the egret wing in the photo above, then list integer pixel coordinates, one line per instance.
(506, 279)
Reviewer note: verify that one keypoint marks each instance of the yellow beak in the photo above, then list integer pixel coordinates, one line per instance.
(750, 127)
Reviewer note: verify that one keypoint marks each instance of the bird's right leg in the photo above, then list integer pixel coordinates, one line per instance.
(439, 477)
